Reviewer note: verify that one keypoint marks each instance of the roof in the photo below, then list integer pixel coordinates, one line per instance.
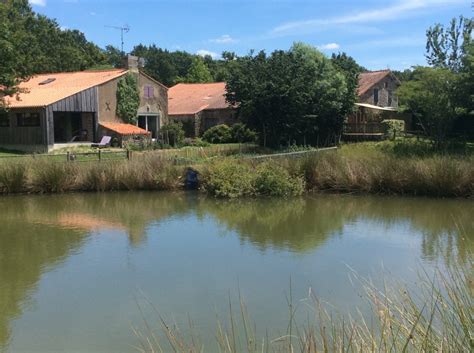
(375, 107)
(124, 129)
(369, 79)
(191, 98)
(45, 89)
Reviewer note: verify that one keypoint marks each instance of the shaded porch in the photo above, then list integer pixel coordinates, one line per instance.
(74, 127)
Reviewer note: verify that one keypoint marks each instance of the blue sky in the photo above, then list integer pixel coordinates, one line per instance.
(377, 33)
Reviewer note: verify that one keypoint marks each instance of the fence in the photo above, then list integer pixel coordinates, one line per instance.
(187, 153)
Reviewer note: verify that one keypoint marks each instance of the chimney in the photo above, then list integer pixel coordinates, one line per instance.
(133, 63)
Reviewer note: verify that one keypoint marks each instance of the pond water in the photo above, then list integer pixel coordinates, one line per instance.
(76, 269)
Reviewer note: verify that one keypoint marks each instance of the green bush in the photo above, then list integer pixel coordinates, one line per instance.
(228, 178)
(393, 128)
(241, 133)
(172, 134)
(274, 180)
(218, 134)
(12, 177)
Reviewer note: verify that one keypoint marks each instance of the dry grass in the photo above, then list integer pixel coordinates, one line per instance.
(439, 318)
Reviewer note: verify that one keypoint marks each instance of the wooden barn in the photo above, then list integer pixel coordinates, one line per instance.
(59, 109)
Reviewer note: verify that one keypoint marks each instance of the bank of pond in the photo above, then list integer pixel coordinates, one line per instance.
(351, 169)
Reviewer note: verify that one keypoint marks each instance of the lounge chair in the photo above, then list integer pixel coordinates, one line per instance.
(105, 142)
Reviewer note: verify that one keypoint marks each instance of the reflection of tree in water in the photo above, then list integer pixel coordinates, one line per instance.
(446, 226)
(39, 232)
(29, 250)
(299, 224)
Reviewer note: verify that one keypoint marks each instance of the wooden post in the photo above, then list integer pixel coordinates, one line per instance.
(68, 157)
(100, 155)
(129, 154)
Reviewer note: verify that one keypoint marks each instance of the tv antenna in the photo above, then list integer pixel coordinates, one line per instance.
(122, 29)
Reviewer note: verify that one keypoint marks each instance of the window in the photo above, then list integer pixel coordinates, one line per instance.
(376, 96)
(389, 98)
(4, 119)
(148, 91)
(28, 119)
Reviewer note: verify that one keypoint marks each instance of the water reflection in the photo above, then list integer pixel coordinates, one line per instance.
(39, 233)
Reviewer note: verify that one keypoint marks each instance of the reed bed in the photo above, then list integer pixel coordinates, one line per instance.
(435, 317)
(352, 169)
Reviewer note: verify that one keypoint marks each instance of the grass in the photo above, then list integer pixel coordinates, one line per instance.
(437, 316)
(376, 168)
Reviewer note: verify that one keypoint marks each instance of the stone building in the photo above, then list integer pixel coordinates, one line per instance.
(57, 109)
(378, 88)
(199, 106)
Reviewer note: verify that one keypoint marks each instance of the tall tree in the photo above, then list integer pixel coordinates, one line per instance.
(198, 72)
(431, 97)
(294, 96)
(32, 43)
(446, 46)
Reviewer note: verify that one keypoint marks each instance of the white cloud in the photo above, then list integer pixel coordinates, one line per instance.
(204, 52)
(329, 46)
(224, 39)
(38, 2)
(397, 10)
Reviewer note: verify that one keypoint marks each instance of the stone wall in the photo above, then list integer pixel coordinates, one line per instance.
(385, 87)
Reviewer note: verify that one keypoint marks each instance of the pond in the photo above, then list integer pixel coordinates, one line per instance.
(76, 270)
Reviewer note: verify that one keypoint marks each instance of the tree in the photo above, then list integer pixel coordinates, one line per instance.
(32, 44)
(351, 70)
(446, 47)
(114, 56)
(198, 72)
(431, 97)
(294, 96)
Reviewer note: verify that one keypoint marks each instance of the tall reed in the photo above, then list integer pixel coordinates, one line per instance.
(437, 317)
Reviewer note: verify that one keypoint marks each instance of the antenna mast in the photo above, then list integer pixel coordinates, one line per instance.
(122, 29)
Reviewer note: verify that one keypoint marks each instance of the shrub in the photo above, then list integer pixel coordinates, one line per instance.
(228, 178)
(241, 133)
(218, 134)
(128, 98)
(393, 128)
(274, 180)
(195, 142)
(53, 176)
(172, 134)
(12, 177)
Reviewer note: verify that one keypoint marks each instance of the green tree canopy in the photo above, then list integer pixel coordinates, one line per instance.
(430, 96)
(32, 44)
(294, 96)
(198, 72)
(446, 46)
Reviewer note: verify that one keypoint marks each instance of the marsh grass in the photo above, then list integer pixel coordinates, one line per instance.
(435, 317)
(358, 168)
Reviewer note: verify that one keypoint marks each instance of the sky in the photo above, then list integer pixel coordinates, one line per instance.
(379, 34)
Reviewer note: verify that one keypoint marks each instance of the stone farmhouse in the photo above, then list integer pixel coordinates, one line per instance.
(199, 106)
(59, 109)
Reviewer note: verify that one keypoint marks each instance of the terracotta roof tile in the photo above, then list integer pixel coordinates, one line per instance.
(370, 78)
(191, 98)
(124, 129)
(45, 89)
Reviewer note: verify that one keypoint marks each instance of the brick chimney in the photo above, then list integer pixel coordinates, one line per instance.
(133, 63)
